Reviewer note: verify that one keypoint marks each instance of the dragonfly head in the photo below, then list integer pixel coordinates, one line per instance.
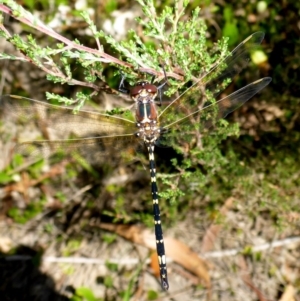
(143, 91)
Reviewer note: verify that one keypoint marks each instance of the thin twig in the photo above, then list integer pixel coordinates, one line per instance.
(124, 261)
(105, 58)
(262, 247)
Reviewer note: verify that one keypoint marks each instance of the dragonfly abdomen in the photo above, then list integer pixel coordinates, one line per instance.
(160, 247)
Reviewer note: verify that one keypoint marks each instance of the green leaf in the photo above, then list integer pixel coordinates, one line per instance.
(112, 266)
(108, 281)
(5, 178)
(228, 14)
(110, 6)
(86, 293)
(230, 30)
(152, 295)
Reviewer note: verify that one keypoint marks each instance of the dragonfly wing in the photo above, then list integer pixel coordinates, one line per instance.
(211, 113)
(214, 81)
(93, 148)
(232, 65)
(206, 118)
(61, 119)
(102, 134)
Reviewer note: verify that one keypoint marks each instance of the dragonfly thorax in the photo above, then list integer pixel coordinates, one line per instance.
(144, 94)
(149, 132)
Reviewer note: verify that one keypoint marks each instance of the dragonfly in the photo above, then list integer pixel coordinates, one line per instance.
(153, 125)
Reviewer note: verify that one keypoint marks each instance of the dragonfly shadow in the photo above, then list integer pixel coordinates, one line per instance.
(21, 278)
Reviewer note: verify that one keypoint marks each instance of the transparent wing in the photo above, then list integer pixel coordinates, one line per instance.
(233, 64)
(93, 149)
(212, 83)
(104, 133)
(206, 117)
(62, 119)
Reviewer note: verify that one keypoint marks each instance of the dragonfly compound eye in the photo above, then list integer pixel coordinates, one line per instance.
(140, 86)
(150, 88)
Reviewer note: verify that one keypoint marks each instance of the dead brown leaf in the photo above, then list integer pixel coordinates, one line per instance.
(154, 264)
(289, 294)
(179, 252)
(213, 231)
(248, 281)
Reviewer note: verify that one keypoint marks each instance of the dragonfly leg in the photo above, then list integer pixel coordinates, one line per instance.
(159, 88)
(122, 87)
